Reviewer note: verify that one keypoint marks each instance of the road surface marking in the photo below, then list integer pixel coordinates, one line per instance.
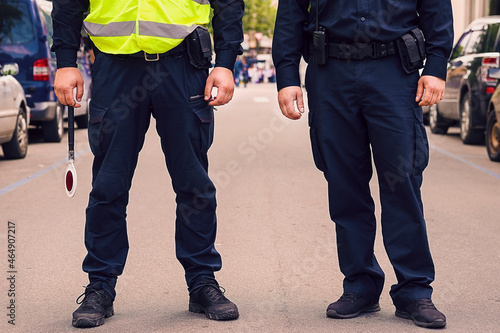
(37, 174)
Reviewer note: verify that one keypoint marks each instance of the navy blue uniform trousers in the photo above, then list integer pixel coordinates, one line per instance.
(126, 92)
(359, 110)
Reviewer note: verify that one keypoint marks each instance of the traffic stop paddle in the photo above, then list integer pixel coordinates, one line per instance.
(70, 175)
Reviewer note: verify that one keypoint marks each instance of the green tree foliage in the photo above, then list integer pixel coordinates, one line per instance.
(260, 16)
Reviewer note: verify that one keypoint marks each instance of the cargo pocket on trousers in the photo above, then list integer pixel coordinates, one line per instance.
(205, 114)
(96, 120)
(318, 157)
(421, 150)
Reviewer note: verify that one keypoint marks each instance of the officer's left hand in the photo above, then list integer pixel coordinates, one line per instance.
(222, 79)
(430, 90)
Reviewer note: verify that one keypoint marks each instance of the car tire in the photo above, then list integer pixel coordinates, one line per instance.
(53, 130)
(17, 147)
(437, 124)
(468, 135)
(492, 137)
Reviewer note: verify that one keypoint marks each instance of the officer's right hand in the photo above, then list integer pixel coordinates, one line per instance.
(67, 78)
(287, 97)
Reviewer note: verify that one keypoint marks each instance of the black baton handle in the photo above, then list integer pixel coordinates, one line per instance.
(71, 133)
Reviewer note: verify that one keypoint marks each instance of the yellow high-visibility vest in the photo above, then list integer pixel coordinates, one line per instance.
(153, 26)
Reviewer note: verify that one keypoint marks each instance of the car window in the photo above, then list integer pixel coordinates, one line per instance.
(495, 35)
(476, 42)
(47, 21)
(489, 45)
(15, 23)
(459, 49)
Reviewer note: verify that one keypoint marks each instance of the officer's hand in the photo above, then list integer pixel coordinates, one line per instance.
(66, 80)
(430, 90)
(286, 98)
(222, 79)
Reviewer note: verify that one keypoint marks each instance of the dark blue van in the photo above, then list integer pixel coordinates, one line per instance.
(25, 39)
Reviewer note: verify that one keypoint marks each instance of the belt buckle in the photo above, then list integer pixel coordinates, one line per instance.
(151, 56)
(347, 51)
(364, 50)
(380, 50)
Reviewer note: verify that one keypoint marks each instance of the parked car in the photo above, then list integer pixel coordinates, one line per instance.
(492, 137)
(14, 114)
(468, 87)
(25, 38)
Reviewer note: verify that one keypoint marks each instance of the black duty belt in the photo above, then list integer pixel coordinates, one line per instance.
(156, 56)
(358, 51)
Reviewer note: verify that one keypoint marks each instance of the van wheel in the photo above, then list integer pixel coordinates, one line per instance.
(436, 123)
(53, 130)
(468, 135)
(17, 147)
(493, 137)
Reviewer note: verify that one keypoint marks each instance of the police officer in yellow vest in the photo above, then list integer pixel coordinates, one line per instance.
(152, 58)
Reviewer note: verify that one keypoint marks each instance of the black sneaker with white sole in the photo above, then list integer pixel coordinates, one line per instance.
(208, 297)
(96, 305)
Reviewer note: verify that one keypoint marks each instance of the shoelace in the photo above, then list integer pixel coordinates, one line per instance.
(349, 297)
(91, 297)
(425, 303)
(214, 292)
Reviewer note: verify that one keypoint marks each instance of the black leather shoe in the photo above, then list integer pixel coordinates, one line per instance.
(96, 305)
(423, 313)
(350, 305)
(208, 297)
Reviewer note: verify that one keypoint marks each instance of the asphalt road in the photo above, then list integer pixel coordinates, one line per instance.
(275, 236)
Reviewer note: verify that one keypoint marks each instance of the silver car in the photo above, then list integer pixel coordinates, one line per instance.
(14, 114)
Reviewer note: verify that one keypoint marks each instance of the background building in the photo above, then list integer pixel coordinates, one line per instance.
(465, 11)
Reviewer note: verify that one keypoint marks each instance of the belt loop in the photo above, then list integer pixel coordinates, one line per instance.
(155, 55)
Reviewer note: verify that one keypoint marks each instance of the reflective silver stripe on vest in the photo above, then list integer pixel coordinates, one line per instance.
(114, 29)
(202, 2)
(154, 29)
(146, 28)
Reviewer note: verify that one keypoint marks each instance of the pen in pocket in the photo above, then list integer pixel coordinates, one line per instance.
(195, 97)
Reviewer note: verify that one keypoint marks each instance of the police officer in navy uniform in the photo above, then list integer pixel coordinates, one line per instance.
(152, 58)
(365, 96)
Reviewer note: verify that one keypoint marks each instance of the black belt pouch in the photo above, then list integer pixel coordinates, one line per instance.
(199, 48)
(411, 47)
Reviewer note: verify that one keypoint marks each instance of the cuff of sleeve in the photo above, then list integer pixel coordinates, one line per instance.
(226, 59)
(287, 76)
(66, 58)
(436, 66)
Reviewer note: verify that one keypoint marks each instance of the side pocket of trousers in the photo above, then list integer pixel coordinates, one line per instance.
(319, 160)
(97, 115)
(421, 153)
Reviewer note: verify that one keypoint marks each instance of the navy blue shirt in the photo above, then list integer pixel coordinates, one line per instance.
(67, 17)
(361, 21)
